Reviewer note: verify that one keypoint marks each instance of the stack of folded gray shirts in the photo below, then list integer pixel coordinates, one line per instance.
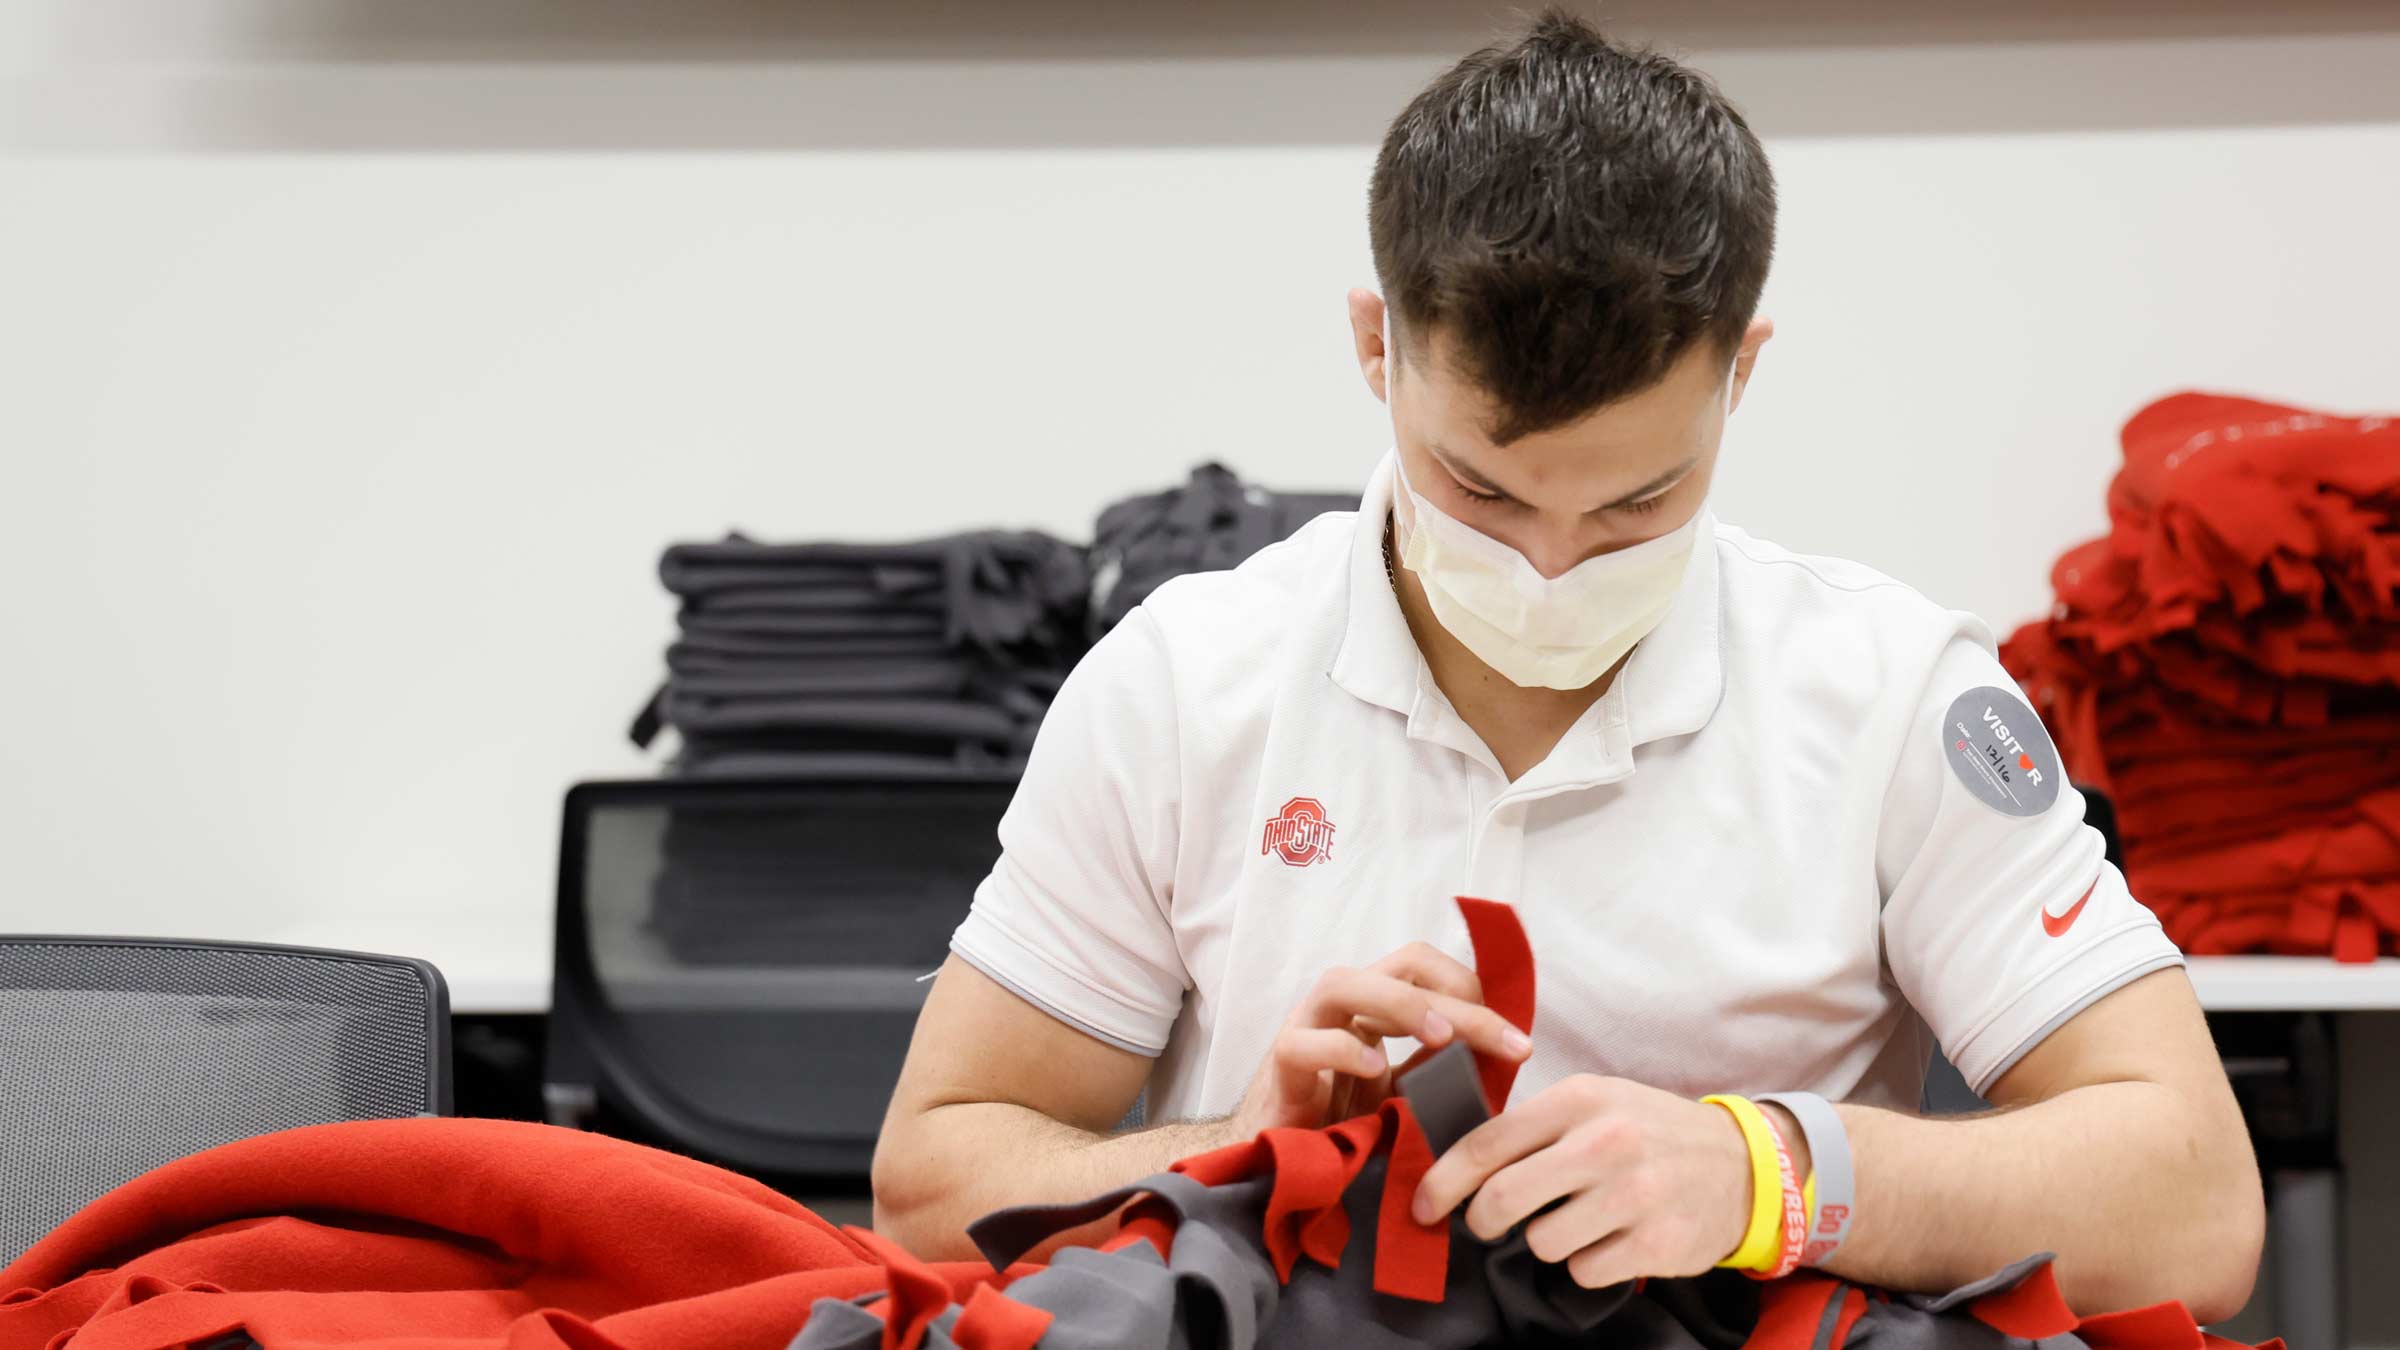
(1211, 523)
(913, 658)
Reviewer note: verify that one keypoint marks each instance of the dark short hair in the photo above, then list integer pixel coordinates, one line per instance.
(1575, 214)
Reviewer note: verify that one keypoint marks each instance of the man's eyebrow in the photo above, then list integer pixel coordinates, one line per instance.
(1466, 471)
(1664, 480)
(1474, 479)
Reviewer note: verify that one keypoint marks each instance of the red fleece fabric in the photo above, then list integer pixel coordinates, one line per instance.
(2225, 664)
(438, 1235)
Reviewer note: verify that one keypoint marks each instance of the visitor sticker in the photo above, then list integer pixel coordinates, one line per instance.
(1998, 748)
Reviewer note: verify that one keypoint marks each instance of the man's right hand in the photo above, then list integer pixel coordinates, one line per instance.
(1328, 1064)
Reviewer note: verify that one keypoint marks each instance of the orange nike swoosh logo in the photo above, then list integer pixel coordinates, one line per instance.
(2057, 924)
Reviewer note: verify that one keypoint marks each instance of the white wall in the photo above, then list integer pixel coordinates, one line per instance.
(355, 393)
(354, 390)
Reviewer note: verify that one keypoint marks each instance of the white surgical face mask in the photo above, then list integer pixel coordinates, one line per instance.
(1559, 632)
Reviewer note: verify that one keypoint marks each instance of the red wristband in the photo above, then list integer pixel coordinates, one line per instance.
(1795, 1212)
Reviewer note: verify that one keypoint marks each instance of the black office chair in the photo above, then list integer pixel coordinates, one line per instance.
(118, 1055)
(740, 963)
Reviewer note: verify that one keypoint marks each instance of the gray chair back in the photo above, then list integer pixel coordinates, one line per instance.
(740, 963)
(118, 1055)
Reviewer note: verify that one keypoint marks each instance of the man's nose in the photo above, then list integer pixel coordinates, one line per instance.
(1553, 549)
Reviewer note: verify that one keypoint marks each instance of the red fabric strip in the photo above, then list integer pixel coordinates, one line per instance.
(1790, 1311)
(1146, 1220)
(1854, 1306)
(1234, 1162)
(1308, 1177)
(2161, 1326)
(918, 1294)
(1412, 1260)
(1504, 964)
(994, 1321)
(1326, 1235)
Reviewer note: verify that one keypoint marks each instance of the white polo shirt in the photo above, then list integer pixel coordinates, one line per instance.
(1788, 840)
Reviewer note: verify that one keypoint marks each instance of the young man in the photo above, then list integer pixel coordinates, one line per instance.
(1769, 819)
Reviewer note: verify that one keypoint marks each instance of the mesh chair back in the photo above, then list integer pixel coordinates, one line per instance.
(120, 1054)
(740, 963)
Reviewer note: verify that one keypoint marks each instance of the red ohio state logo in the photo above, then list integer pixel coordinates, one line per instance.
(1299, 834)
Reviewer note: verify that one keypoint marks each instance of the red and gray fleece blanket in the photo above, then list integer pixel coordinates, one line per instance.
(479, 1235)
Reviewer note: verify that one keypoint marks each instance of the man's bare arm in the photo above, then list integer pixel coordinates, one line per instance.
(2117, 1144)
(1001, 1104)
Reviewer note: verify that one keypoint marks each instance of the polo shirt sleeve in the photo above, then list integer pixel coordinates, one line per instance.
(1997, 927)
(1074, 917)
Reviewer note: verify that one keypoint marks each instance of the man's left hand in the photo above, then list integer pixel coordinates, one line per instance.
(1648, 1183)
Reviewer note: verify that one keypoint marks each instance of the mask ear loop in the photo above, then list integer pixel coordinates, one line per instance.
(1399, 476)
(1389, 352)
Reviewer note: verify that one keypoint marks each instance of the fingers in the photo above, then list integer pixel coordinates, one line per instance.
(1356, 1095)
(1504, 1139)
(1429, 967)
(1576, 1226)
(1302, 1053)
(1455, 984)
(1518, 1191)
(1612, 1260)
(1386, 1005)
(1329, 1054)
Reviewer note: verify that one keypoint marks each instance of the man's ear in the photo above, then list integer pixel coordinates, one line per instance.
(1366, 339)
(1745, 359)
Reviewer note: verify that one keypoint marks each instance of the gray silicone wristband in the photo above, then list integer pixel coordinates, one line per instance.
(1829, 1162)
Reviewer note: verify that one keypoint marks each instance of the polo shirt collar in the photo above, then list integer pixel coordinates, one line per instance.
(1670, 685)
(1377, 660)
(1675, 678)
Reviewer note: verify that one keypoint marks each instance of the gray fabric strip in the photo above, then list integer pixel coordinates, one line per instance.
(1005, 1235)
(1446, 1096)
(2007, 1277)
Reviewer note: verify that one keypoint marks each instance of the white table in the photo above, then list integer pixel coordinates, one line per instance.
(2294, 984)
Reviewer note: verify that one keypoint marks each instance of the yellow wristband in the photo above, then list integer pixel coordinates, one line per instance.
(1763, 1241)
(1808, 1199)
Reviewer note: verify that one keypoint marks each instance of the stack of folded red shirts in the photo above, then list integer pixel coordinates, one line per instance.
(2225, 664)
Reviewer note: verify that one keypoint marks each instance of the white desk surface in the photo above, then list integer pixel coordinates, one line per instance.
(2294, 983)
(503, 966)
